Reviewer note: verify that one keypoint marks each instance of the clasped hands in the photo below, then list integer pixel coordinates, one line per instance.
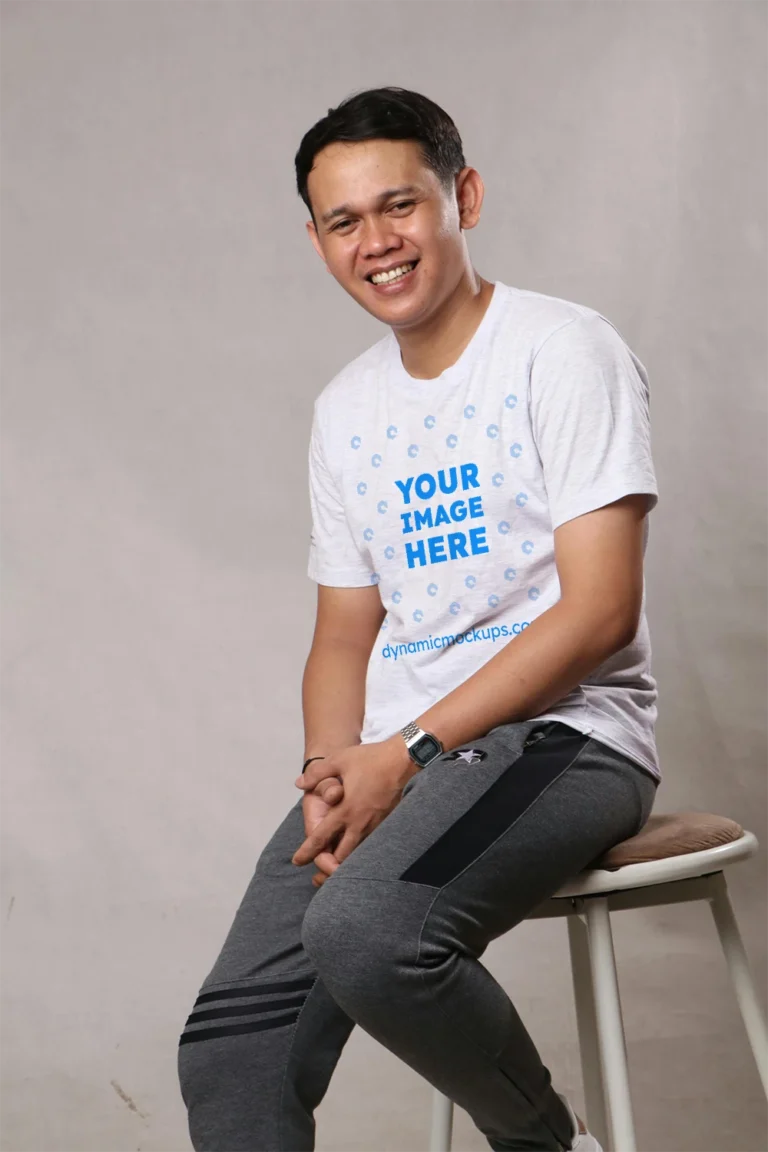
(347, 795)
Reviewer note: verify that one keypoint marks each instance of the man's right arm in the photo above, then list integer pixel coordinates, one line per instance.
(333, 689)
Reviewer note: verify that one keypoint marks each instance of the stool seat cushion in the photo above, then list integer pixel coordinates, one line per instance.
(670, 834)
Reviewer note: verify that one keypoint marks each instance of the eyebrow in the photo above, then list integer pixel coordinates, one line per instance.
(347, 210)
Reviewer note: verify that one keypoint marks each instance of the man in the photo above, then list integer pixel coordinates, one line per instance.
(478, 704)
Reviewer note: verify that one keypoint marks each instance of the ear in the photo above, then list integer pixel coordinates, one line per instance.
(470, 191)
(312, 231)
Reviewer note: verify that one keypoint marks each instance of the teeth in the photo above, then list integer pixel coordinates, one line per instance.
(394, 274)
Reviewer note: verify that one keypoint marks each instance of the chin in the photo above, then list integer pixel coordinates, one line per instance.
(400, 316)
(397, 313)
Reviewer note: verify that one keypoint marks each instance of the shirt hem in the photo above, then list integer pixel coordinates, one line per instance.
(595, 500)
(615, 745)
(342, 579)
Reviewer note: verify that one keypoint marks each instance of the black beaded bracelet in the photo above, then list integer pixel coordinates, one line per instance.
(310, 761)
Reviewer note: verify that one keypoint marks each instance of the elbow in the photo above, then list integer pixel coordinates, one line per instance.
(621, 629)
(609, 628)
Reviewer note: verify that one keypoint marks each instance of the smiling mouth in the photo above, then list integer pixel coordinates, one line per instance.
(396, 274)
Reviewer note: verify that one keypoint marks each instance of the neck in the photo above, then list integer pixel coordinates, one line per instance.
(438, 343)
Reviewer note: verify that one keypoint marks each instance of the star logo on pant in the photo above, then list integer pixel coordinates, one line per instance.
(468, 755)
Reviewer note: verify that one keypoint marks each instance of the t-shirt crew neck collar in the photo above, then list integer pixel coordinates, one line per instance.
(400, 376)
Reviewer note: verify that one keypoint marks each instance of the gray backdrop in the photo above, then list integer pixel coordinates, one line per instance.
(166, 327)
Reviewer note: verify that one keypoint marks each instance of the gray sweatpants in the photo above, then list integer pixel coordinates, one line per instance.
(392, 941)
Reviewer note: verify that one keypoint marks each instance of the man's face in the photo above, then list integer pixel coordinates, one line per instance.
(378, 206)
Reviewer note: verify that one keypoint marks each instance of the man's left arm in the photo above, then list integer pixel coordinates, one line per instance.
(599, 559)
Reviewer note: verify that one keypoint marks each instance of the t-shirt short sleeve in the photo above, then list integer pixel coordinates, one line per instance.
(334, 558)
(590, 416)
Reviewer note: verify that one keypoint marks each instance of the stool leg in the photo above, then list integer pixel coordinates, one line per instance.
(586, 1023)
(442, 1123)
(610, 1027)
(738, 967)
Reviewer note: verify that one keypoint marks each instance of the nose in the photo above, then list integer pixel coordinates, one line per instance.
(377, 238)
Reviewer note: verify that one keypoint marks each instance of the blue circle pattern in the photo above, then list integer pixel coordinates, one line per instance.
(515, 450)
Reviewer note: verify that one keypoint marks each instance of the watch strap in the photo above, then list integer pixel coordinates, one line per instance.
(411, 732)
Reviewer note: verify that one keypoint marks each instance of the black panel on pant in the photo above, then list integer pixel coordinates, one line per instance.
(498, 807)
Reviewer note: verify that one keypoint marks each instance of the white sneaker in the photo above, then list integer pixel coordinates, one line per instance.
(582, 1141)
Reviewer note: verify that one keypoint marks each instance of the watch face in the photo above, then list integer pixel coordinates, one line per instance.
(425, 750)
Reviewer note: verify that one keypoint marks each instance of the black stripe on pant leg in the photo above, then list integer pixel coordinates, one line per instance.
(246, 1009)
(303, 982)
(240, 1029)
(498, 807)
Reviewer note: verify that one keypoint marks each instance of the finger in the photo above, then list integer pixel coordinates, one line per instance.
(327, 862)
(347, 844)
(317, 840)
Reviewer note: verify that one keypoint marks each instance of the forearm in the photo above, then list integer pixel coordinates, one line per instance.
(526, 677)
(333, 696)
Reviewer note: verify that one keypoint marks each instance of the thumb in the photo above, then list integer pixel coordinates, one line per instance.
(331, 791)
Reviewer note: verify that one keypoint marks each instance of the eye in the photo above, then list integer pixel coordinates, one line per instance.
(404, 204)
(341, 224)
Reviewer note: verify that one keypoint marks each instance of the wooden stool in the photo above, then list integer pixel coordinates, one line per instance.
(673, 859)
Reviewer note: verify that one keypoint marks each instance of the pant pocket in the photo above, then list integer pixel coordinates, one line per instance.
(540, 733)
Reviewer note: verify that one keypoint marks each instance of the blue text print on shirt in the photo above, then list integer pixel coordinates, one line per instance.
(426, 491)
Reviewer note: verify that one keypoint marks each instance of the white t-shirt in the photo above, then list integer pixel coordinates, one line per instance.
(446, 493)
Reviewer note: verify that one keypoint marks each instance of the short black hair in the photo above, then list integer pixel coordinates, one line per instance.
(385, 114)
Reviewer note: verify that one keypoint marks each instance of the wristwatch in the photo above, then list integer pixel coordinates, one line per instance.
(422, 746)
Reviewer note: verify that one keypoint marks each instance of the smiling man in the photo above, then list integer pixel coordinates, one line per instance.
(478, 703)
